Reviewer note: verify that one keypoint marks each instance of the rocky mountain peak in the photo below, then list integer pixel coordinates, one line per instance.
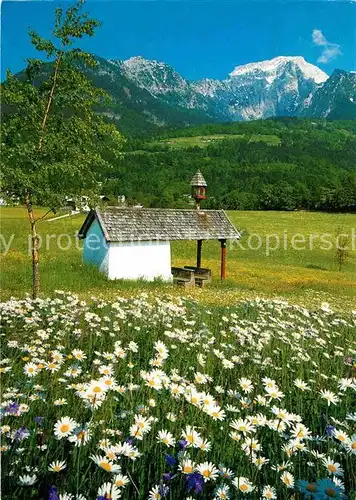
(282, 86)
(273, 68)
(155, 76)
(336, 98)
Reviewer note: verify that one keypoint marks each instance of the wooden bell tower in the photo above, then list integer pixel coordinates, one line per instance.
(199, 186)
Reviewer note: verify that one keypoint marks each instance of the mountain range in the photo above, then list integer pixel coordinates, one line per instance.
(148, 95)
(280, 86)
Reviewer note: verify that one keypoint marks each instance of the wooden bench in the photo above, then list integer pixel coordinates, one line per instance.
(183, 277)
(202, 275)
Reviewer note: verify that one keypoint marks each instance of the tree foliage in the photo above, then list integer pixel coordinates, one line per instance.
(311, 165)
(53, 144)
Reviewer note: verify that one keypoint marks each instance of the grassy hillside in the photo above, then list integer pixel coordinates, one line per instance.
(307, 276)
(281, 164)
(133, 110)
(276, 125)
(204, 140)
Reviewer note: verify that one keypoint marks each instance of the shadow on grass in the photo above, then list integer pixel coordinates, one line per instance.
(313, 266)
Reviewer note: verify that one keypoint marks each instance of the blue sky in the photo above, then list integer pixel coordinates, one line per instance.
(198, 38)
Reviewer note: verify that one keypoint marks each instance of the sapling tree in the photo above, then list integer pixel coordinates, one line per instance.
(53, 143)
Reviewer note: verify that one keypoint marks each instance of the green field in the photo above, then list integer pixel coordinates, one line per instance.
(308, 276)
(232, 361)
(203, 141)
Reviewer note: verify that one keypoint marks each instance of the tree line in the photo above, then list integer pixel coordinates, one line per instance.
(312, 168)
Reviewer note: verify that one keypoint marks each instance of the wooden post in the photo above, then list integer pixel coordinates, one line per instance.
(199, 245)
(223, 259)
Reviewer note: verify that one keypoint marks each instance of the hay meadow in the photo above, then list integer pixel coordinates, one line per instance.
(306, 276)
(243, 389)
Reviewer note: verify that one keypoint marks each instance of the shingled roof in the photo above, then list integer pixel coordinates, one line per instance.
(158, 224)
(198, 180)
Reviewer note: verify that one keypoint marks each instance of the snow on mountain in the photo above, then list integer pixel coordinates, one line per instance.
(273, 68)
(283, 86)
(279, 86)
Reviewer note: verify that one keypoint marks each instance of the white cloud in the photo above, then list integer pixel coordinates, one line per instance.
(330, 50)
(319, 38)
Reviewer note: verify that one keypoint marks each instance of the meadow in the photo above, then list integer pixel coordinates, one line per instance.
(148, 391)
(203, 141)
(168, 399)
(306, 276)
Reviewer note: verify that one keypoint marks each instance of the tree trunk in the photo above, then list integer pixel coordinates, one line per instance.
(31, 217)
(34, 249)
(50, 98)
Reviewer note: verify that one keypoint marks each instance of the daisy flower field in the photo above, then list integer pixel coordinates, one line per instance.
(165, 398)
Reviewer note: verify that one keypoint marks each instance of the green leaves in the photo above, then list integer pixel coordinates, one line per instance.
(42, 45)
(74, 25)
(54, 145)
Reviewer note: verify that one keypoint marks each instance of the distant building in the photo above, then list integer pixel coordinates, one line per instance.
(104, 198)
(121, 199)
(81, 204)
(76, 205)
(7, 199)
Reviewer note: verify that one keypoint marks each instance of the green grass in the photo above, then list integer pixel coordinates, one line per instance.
(173, 365)
(307, 276)
(203, 141)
